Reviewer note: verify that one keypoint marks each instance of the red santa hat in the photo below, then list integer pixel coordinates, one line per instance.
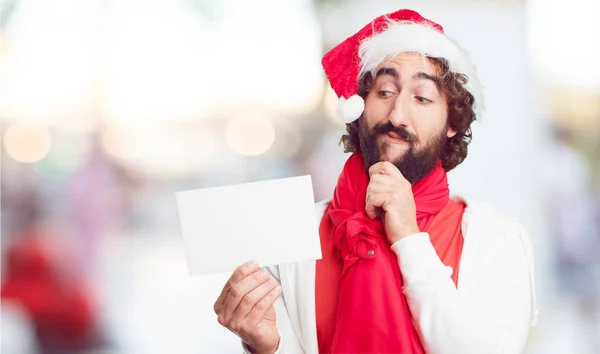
(382, 39)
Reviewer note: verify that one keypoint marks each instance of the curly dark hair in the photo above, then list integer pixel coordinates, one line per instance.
(460, 115)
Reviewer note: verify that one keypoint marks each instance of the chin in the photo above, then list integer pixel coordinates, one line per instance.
(391, 152)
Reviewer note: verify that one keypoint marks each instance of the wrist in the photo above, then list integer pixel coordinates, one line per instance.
(272, 350)
(404, 233)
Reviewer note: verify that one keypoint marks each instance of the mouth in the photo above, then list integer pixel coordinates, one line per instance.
(394, 138)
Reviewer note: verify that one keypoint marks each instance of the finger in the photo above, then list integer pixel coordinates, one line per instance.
(239, 273)
(383, 183)
(239, 290)
(250, 300)
(258, 311)
(373, 202)
(376, 168)
(388, 168)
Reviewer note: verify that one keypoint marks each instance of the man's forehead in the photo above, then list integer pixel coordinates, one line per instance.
(408, 63)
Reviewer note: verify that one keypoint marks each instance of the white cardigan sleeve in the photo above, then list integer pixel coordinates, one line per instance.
(494, 316)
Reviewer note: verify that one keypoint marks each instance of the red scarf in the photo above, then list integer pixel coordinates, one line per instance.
(360, 306)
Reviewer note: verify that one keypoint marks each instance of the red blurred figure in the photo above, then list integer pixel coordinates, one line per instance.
(60, 306)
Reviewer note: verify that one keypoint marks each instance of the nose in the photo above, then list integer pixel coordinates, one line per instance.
(399, 116)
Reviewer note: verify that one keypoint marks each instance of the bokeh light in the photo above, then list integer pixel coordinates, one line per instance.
(120, 144)
(27, 142)
(250, 135)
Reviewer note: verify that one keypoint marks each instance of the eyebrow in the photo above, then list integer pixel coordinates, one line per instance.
(424, 76)
(418, 76)
(387, 71)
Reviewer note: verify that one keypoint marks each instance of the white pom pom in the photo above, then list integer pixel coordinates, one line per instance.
(349, 110)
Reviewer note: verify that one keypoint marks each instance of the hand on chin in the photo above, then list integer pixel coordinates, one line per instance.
(390, 193)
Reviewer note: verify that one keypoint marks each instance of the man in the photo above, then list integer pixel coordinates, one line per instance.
(405, 269)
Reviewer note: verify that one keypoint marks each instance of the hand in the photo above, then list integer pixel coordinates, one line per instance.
(245, 307)
(390, 191)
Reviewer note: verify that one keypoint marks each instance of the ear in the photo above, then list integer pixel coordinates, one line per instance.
(450, 133)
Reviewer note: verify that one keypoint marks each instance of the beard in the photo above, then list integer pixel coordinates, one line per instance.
(414, 164)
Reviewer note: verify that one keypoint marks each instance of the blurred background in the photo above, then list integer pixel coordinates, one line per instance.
(109, 107)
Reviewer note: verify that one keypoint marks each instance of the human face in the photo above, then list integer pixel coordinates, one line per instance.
(405, 117)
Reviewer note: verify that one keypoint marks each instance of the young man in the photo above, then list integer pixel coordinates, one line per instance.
(405, 269)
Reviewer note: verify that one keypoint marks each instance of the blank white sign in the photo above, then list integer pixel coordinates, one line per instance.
(273, 222)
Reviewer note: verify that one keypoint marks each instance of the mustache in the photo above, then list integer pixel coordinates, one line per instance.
(384, 128)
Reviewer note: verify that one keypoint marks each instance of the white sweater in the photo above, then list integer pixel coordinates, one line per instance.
(489, 311)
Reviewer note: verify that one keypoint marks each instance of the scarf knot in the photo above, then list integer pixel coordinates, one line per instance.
(356, 236)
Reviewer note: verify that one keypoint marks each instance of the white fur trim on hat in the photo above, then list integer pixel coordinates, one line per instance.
(400, 37)
(349, 110)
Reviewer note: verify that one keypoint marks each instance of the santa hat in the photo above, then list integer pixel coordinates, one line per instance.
(382, 39)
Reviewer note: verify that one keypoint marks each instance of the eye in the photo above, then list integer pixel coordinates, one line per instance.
(384, 94)
(423, 100)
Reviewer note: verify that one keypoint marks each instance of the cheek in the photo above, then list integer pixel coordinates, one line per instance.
(430, 121)
(376, 112)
